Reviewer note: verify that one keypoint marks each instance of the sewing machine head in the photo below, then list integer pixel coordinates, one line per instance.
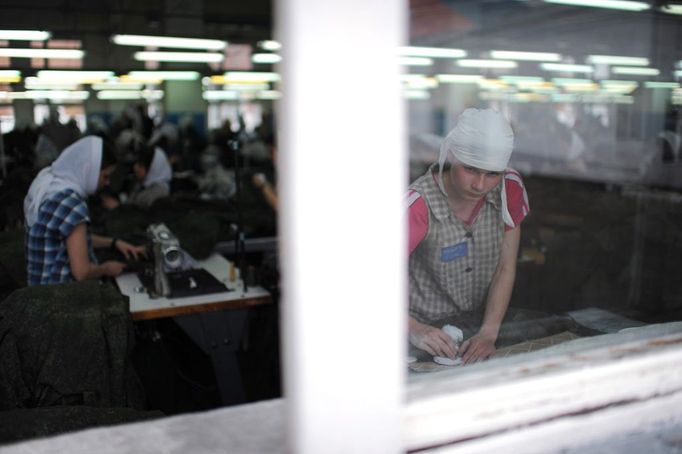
(168, 256)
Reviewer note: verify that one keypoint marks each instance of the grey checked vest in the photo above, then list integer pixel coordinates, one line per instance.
(451, 269)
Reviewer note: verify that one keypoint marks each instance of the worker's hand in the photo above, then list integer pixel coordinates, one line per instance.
(259, 180)
(131, 252)
(432, 340)
(477, 348)
(109, 202)
(112, 268)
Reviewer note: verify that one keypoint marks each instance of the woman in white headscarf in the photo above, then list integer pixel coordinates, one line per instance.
(464, 232)
(153, 174)
(59, 246)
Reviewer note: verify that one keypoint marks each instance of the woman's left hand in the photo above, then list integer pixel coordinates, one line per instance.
(131, 252)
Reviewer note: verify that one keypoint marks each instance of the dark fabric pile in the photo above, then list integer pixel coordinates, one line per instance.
(67, 344)
(198, 224)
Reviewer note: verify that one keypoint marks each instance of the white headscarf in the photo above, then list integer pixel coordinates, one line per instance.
(159, 170)
(77, 168)
(482, 139)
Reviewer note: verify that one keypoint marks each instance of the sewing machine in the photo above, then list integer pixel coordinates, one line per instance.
(174, 273)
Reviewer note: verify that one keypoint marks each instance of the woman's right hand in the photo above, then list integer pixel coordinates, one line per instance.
(432, 340)
(113, 268)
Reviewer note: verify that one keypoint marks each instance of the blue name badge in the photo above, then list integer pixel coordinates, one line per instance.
(450, 253)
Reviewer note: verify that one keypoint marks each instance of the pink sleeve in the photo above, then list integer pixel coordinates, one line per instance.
(418, 215)
(517, 198)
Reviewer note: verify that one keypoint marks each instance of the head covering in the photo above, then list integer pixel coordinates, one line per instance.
(77, 168)
(159, 170)
(482, 138)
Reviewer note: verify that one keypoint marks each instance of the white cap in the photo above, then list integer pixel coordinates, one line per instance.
(482, 138)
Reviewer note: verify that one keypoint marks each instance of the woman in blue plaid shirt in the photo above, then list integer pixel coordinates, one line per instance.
(59, 246)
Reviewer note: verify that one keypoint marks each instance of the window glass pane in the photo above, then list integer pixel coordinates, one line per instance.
(592, 98)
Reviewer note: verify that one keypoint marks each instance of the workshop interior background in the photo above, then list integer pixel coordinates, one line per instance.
(593, 95)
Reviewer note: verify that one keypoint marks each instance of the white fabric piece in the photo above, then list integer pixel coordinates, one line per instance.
(457, 337)
(482, 139)
(159, 170)
(444, 361)
(77, 168)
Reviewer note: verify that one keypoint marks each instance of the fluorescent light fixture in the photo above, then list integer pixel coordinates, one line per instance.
(609, 4)
(417, 81)
(524, 81)
(269, 45)
(24, 35)
(671, 85)
(36, 83)
(564, 97)
(672, 9)
(220, 95)
(492, 96)
(117, 85)
(10, 76)
(269, 94)
(458, 78)
(184, 57)
(266, 58)
(74, 76)
(416, 94)
(562, 81)
(162, 75)
(52, 95)
(167, 41)
(432, 52)
(569, 68)
(130, 94)
(247, 87)
(41, 53)
(638, 71)
(619, 86)
(528, 56)
(617, 60)
(494, 85)
(416, 61)
(247, 76)
(486, 64)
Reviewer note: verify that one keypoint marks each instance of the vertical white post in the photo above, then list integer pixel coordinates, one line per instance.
(342, 177)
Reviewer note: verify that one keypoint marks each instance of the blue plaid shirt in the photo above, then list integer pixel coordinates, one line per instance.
(46, 255)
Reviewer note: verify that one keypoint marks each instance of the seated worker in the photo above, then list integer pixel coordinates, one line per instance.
(153, 174)
(59, 246)
(464, 233)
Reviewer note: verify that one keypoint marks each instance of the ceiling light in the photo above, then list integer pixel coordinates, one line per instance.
(486, 64)
(130, 94)
(183, 57)
(269, 94)
(417, 82)
(220, 95)
(52, 95)
(117, 85)
(166, 41)
(564, 67)
(416, 61)
(650, 84)
(10, 76)
(523, 80)
(617, 60)
(266, 58)
(562, 81)
(529, 56)
(74, 76)
(41, 53)
(161, 75)
(609, 4)
(458, 78)
(672, 9)
(24, 35)
(269, 45)
(246, 76)
(433, 52)
(564, 97)
(635, 71)
(495, 85)
(36, 83)
(678, 73)
(416, 94)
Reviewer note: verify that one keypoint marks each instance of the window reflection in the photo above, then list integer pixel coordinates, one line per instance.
(593, 98)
